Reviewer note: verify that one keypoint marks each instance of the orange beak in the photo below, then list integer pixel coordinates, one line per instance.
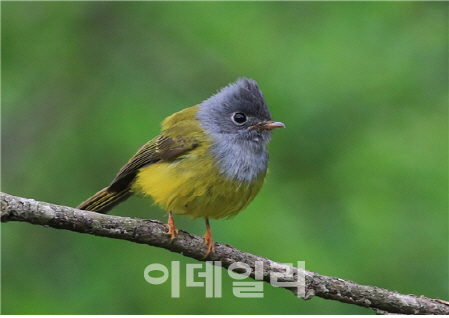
(272, 125)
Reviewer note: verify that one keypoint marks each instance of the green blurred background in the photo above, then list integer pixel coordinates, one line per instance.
(357, 186)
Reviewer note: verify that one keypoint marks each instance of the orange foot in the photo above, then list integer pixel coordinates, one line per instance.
(172, 230)
(208, 240)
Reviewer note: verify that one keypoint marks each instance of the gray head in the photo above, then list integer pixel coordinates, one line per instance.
(239, 123)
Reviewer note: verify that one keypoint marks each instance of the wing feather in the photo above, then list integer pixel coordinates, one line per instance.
(157, 149)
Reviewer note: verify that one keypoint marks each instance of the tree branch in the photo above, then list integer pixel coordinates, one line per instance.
(301, 282)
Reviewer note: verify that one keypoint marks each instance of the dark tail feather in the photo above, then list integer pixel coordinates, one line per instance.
(104, 200)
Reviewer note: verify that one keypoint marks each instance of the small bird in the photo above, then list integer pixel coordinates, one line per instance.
(209, 161)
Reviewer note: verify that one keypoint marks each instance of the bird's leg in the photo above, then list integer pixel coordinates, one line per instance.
(172, 230)
(208, 240)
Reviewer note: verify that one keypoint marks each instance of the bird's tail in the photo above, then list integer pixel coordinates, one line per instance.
(104, 200)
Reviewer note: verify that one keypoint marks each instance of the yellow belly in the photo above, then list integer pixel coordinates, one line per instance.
(193, 186)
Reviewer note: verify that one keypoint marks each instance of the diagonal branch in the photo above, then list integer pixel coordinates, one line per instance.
(301, 282)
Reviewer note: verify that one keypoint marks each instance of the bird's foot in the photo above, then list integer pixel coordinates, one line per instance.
(172, 230)
(208, 240)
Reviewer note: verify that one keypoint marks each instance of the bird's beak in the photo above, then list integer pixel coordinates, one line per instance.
(271, 125)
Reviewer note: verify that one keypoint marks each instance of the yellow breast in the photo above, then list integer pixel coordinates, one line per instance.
(192, 185)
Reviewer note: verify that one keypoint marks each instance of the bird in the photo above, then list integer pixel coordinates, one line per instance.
(209, 161)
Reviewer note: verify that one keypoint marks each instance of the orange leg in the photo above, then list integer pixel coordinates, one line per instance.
(208, 240)
(172, 230)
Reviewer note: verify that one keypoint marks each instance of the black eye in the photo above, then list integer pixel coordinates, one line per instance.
(239, 118)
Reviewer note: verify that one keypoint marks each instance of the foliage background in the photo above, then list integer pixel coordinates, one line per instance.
(358, 181)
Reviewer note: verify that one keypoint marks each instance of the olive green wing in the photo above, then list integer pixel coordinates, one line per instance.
(159, 148)
(180, 134)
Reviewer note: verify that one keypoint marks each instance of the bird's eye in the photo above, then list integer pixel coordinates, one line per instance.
(239, 118)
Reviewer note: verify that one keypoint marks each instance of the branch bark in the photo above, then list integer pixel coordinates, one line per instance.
(301, 282)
